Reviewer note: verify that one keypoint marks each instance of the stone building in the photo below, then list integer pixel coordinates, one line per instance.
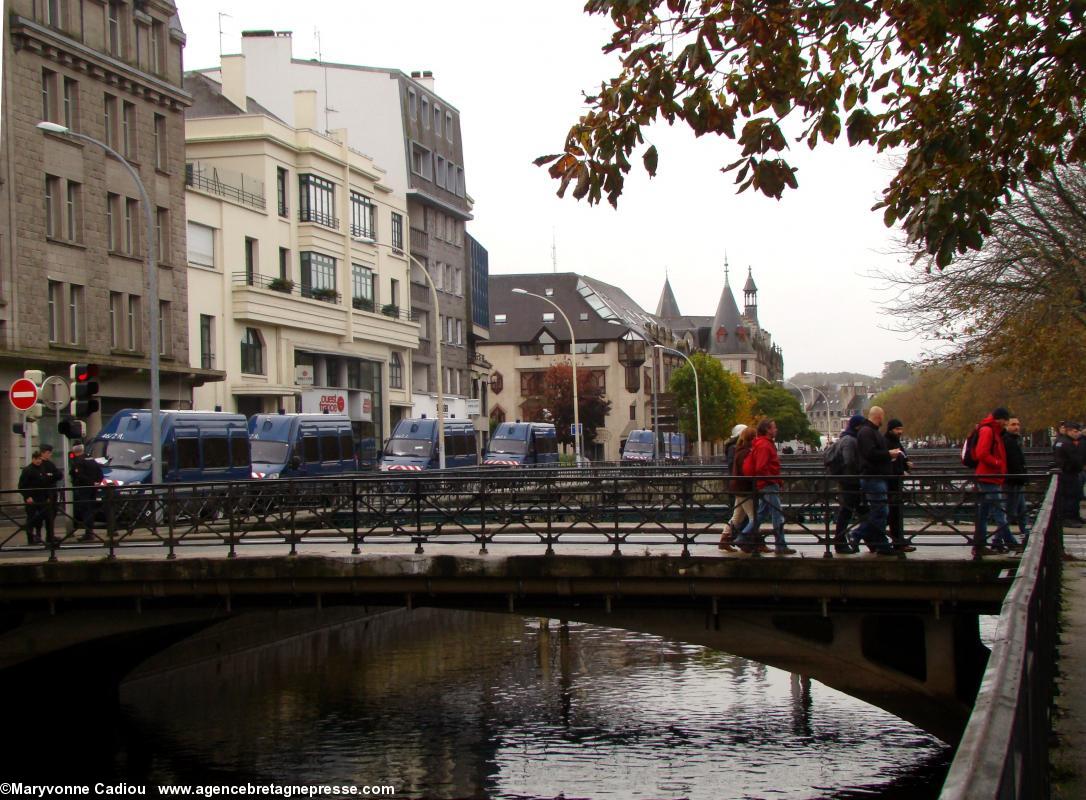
(72, 242)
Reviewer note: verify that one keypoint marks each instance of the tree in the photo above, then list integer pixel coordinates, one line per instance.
(724, 399)
(896, 371)
(782, 406)
(558, 399)
(977, 94)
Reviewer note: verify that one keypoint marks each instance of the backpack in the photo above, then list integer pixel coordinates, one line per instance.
(969, 449)
(833, 459)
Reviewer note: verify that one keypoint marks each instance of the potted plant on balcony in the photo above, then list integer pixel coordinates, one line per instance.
(326, 294)
(281, 285)
(363, 303)
(391, 310)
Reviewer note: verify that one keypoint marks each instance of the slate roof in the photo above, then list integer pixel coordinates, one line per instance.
(668, 307)
(208, 99)
(724, 335)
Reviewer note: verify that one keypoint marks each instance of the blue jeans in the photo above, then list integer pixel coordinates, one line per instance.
(1016, 508)
(990, 504)
(872, 530)
(769, 505)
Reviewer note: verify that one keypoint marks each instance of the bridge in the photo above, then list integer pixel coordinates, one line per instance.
(633, 549)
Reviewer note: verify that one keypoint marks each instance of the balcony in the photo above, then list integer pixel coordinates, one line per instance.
(479, 360)
(420, 241)
(325, 295)
(327, 220)
(226, 183)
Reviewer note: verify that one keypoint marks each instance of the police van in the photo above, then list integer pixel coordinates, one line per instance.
(301, 445)
(639, 447)
(413, 446)
(514, 444)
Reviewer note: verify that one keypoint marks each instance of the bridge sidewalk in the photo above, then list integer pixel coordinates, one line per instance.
(1069, 751)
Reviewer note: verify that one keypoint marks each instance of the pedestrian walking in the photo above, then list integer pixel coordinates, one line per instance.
(845, 453)
(895, 483)
(740, 486)
(86, 475)
(876, 460)
(1014, 484)
(990, 473)
(1068, 456)
(35, 485)
(764, 465)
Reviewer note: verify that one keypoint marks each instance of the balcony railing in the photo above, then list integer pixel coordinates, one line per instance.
(420, 240)
(327, 220)
(479, 360)
(326, 295)
(359, 232)
(225, 183)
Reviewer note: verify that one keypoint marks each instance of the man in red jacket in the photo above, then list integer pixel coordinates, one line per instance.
(990, 473)
(764, 463)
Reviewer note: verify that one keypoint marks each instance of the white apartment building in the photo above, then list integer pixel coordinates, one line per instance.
(297, 263)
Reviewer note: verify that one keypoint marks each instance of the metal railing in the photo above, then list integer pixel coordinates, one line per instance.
(226, 183)
(327, 220)
(1004, 751)
(682, 508)
(286, 287)
(420, 240)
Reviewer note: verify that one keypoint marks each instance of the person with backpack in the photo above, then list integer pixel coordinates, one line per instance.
(740, 487)
(876, 460)
(764, 465)
(842, 460)
(894, 484)
(1068, 456)
(984, 447)
(1015, 483)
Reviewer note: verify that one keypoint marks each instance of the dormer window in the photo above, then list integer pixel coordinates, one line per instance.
(548, 316)
(499, 319)
(549, 292)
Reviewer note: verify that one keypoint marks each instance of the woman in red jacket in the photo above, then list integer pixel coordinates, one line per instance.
(764, 466)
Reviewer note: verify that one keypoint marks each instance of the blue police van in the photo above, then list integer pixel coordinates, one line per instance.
(413, 446)
(514, 444)
(638, 446)
(301, 445)
(196, 446)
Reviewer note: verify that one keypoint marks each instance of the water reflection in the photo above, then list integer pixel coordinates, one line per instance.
(452, 704)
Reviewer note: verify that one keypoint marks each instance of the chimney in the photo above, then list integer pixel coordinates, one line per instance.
(305, 109)
(426, 78)
(233, 80)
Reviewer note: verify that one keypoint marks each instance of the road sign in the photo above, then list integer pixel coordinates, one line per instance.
(576, 429)
(55, 393)
(23, 394)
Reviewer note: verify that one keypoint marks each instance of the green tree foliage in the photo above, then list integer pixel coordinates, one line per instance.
(896, 372)
(724, 398)
(782, 406)
(558, 399)
(976, 94)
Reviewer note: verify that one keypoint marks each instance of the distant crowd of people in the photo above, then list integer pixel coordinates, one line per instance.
(870, 465)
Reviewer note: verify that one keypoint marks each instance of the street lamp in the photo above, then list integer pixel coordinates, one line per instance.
(759, 377)
(697, 391)
(152, 289)
(573, 363)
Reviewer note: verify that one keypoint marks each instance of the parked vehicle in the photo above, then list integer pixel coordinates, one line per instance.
(413, 446)
(301, 445)
(514, 444)
(639, 446)
(196, 446)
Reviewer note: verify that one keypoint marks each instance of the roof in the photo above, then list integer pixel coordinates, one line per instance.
(668, 308)
(729, 333)
(750, 286)
(208, 99)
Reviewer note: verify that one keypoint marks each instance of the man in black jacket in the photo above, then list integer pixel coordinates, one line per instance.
(1068, 458)
(86, 475)
(1015, 482)
(876, 460)
(36, 486)
(56, 477)
(894, 485)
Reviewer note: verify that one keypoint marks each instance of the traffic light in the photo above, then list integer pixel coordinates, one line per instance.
(72, 428)
(36, 377)
(84, 388)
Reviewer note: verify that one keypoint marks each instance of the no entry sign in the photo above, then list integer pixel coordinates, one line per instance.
(23, 394)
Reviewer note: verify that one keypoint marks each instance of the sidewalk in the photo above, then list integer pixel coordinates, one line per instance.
(1069, 724)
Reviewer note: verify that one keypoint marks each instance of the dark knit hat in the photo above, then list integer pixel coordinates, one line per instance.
(855, 421)
(894, 423)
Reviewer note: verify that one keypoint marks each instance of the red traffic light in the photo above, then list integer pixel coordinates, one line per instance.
(83, 372)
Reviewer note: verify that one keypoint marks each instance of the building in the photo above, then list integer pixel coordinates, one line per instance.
(72, 237)
(735, 339)
(415, 135)
(527, 338)
(298, 270)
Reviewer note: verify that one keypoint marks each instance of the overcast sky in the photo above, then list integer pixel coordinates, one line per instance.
(516, 72)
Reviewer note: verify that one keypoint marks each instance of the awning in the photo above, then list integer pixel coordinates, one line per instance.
(276, 391)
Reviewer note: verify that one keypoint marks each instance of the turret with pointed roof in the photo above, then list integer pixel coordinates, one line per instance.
(729, 334)
(667, 308)
(750, 297)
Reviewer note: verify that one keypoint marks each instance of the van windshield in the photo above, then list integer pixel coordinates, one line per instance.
(408, 447)
(638, 447)
(508, 446)
(127, 455)
(269, 451)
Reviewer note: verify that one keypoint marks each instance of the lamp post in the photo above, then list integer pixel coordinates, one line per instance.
(759, 377)
(152, 289)
(573, 363)
(697, 391)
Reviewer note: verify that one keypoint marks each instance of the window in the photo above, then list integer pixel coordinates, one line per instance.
(346, 447)
(437, 119)
(499, 319)
(53, 13)
(394, 292)
(132, 323)
(362, 287)
(110, 120)
(311, 452)
(131, 235)
(207, 355)
(423, 319)
(548, 316)
(450, 325)
(52, 197)
(116, 314)
(239, 451)
(317, 201)
(460, 331)
(439, 179)
(201, 242)
(362, 216)
(412, 104)
(71, 104)
(162, 235)
(157, 39)
(284, 264)
(128, 130)
(48, 95)
(252, 352)
(460, 181)
(161, 151)
(395, 371)
(163, 327)
(55, 305)
(113, 28)
(188, 452)
(448, 126)
(633, 411)
(250, 260)
(73, 211)
(318, 273)
(216, 453)
(330, 447)
(333, 372)
(281, 179)
(422, 162)
(397, 232)
(590, 348)
(425, 113)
